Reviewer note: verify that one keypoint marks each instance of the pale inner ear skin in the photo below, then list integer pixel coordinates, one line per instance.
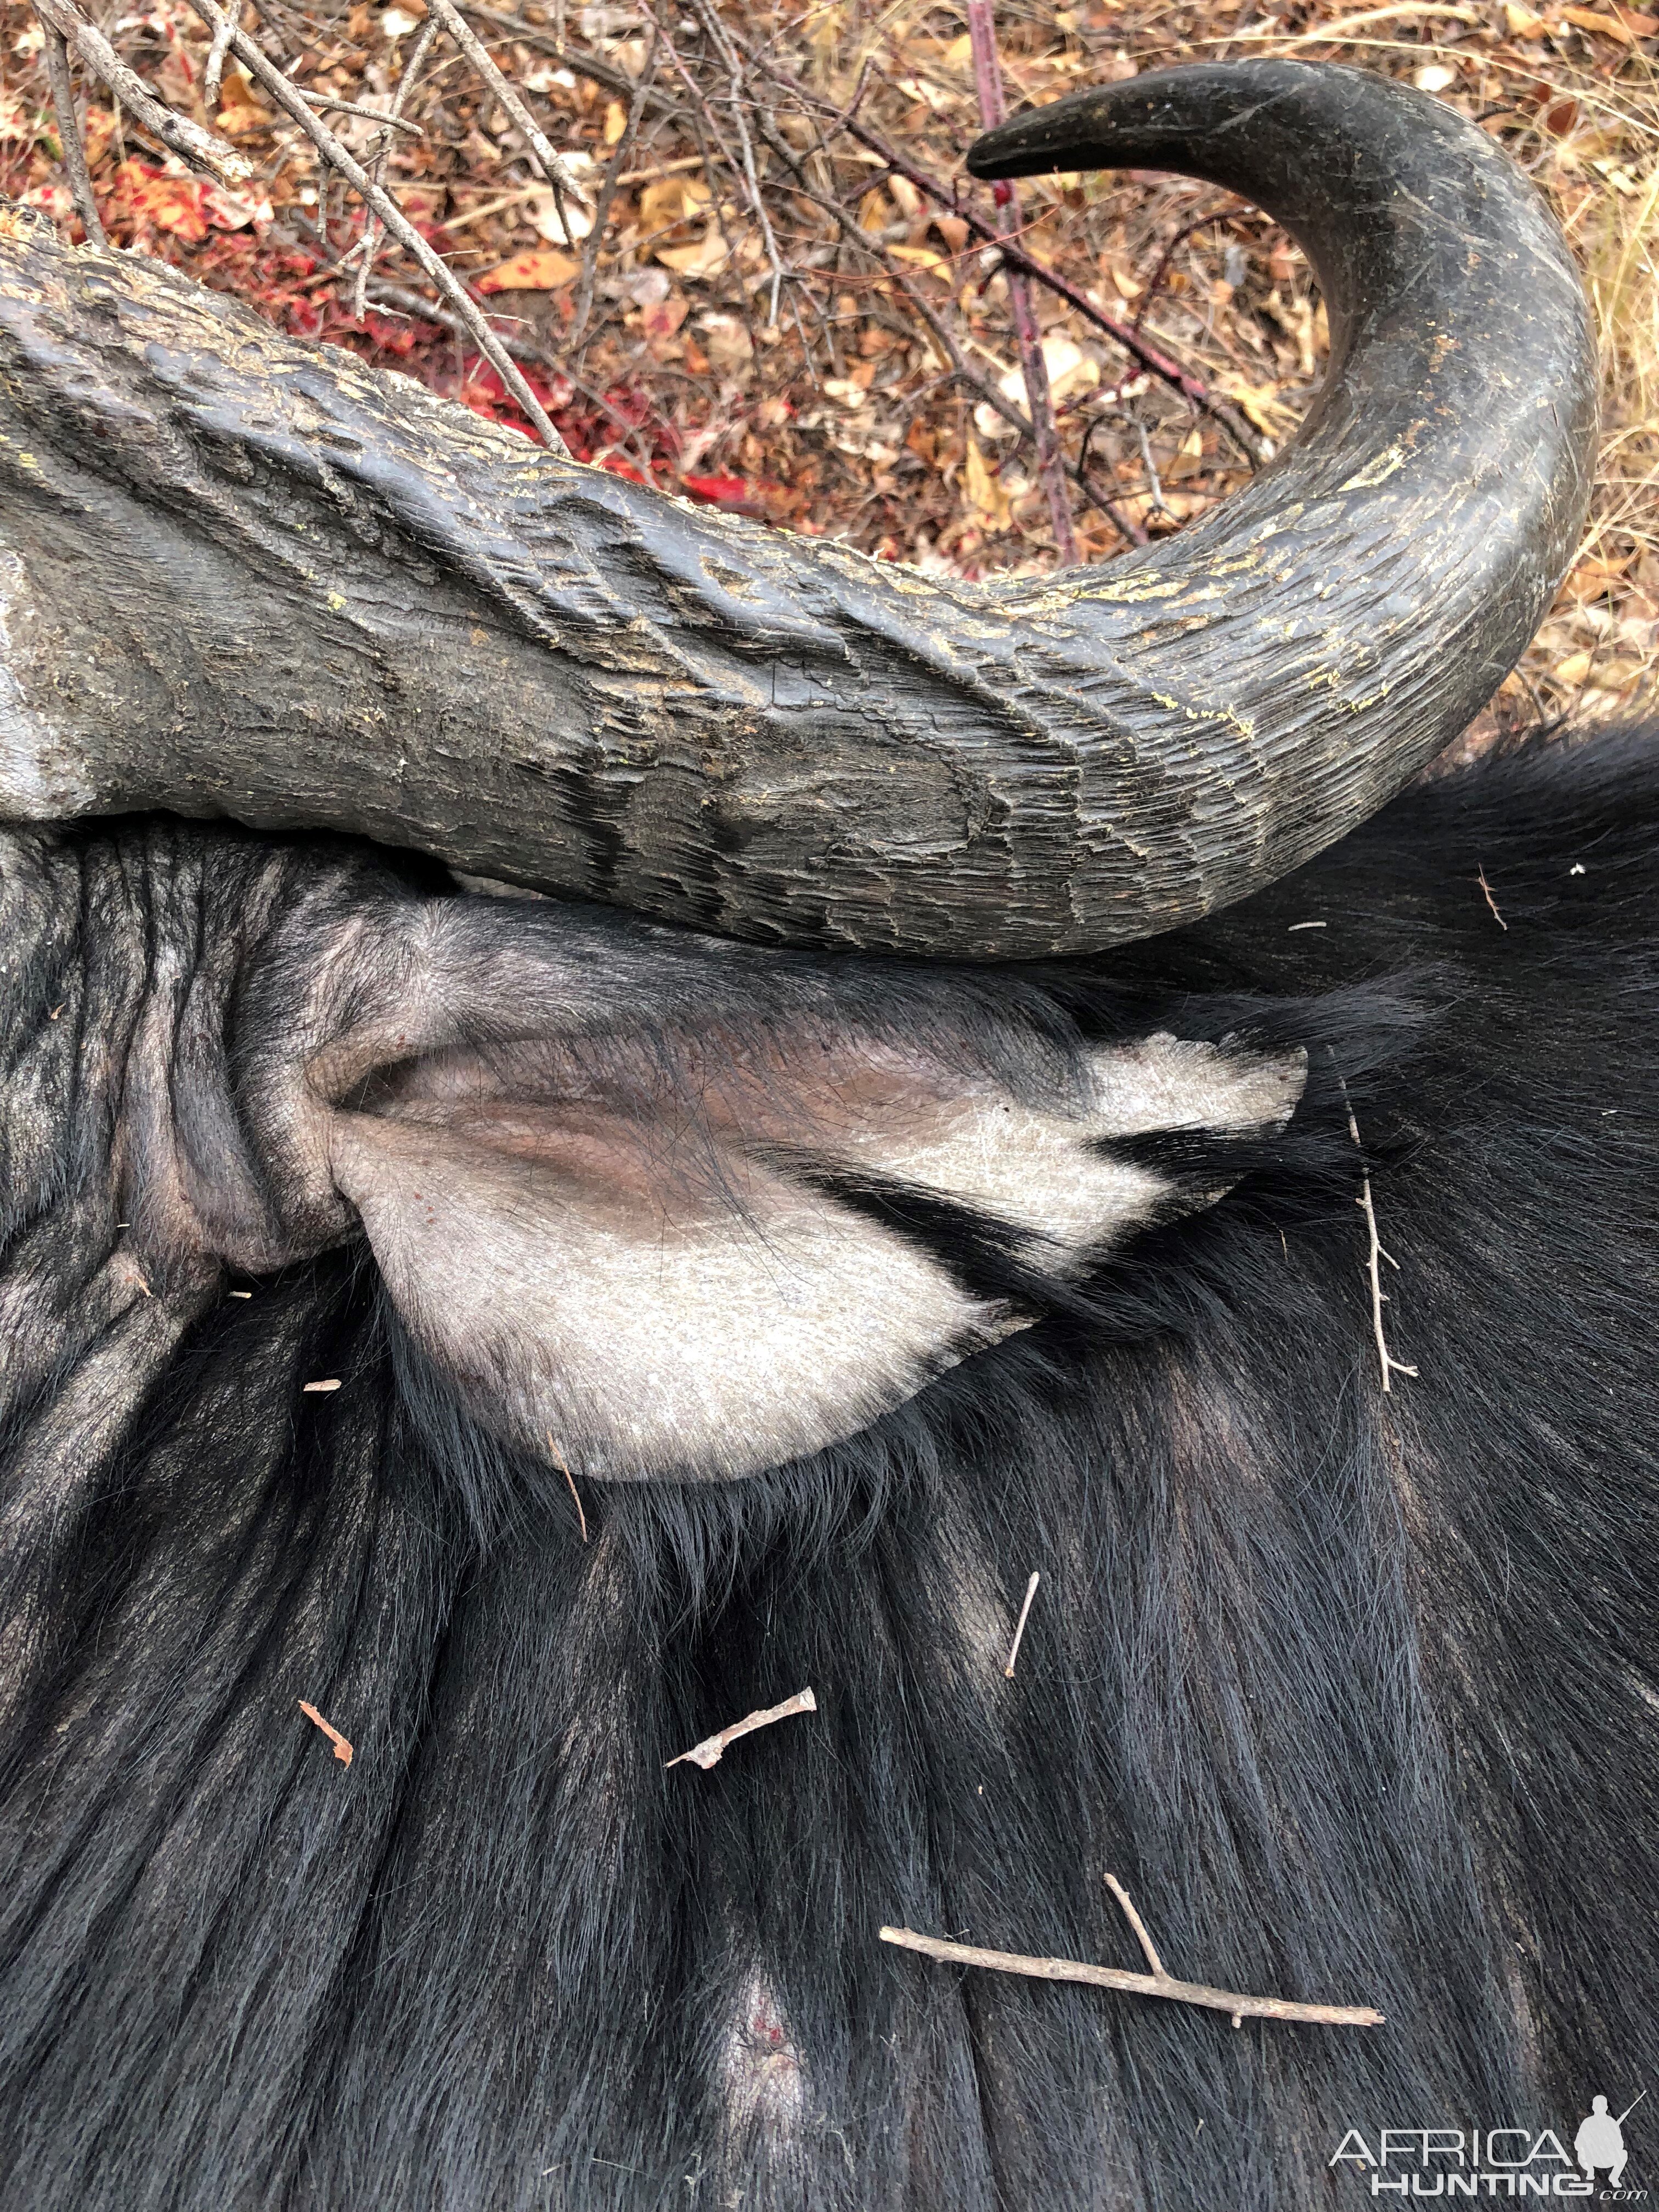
(635, 1259)
(644, 1333)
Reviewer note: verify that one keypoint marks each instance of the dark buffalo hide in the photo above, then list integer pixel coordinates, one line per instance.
(1356, 1694)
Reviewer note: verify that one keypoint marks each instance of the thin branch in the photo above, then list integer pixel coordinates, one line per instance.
(709, 1752)
(700, 112)
(613, 179)
(1232, 2001)
(716, 31)
(1162, 269)
(374, 228)
(68, 133)
(201, 149)
(254, 59)
(1139, 1926)
(553, 165)
(1051, 471)
(218, 54)
(1385, 1359)
(328, 104)
(1149, 464)
(342, 1748)
(1019, 1625)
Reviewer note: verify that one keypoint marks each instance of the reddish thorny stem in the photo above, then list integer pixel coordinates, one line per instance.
(1151, 357)
(1051, 466)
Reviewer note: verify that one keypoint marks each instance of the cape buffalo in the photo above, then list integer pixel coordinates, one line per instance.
(969, 1084)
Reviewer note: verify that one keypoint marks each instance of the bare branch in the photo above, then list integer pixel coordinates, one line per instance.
(1051, 469)
(579, 59)
(712, 24)
(201, 149)
(218, 54)
(374, 228)
(326, 104)
(1162, 267)
(69, 132)
(615, 176)
(709, 1752)
(1149, 464)
(553, 165)
(399, 299)
(254, 59)
(1232, 2001)
(874, 245)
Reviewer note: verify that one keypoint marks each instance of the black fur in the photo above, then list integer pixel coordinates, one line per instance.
(1358, 1695)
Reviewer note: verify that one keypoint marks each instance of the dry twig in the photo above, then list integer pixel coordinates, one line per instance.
(553, 165)
(875, 247)
(342, 1748)
(213, 74)
(201, 149)
(1386, 1359)
(1234, 2002)
(1019, 1626)
(1138, 1925)
(728, 54)
(69, 132)
(616, 176)
(1480, 877)
(399, 299)
(374, 228)
(581, 61)
(1014, 257)
(709, 1752)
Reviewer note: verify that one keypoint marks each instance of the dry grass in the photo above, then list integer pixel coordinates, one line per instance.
(860, 408)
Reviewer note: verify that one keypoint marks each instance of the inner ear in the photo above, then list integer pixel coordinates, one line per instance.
(701, 1252)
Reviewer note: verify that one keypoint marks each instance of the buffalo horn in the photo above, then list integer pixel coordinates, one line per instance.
(242, 577)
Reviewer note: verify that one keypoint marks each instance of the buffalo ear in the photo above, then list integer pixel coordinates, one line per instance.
(701, 1265)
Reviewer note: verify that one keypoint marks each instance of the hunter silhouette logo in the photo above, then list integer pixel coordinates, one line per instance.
(1494, 2161)
(1600, 2140)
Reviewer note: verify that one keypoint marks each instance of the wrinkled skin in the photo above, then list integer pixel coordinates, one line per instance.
(1356, 1694)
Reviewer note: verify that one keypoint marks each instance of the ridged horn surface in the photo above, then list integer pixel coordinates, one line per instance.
(242, 577)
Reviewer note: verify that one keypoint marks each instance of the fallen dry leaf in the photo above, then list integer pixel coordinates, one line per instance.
(671, 200)
(984, 493)
(705, 258)
(725, 341)
(1262, 403)
(543, 271)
